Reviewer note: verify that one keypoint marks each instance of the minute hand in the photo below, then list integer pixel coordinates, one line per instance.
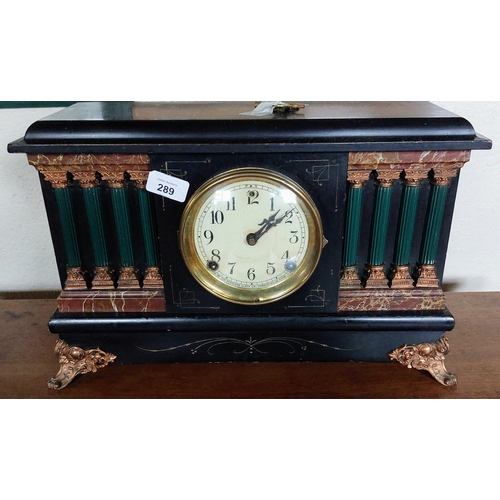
(266, 224)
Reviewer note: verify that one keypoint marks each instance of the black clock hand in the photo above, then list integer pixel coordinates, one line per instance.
(266, 224)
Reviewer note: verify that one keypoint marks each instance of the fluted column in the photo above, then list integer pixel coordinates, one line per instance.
(401, 273)
(127, 274)
(75, 273)
(152, 277)
(350, 278)
(375, 267)
(92, 198)
(427, 275)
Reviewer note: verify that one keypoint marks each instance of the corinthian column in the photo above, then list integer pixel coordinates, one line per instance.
(350, 278)
(401, 274)
(152, 277)
(375, 266)
(427, 275)
(92, 197)
(127, 274)
(75, 273)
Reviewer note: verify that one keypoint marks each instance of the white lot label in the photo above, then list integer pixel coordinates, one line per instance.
(167, 186)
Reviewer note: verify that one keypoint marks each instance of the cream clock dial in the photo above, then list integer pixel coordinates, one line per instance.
(251, 236)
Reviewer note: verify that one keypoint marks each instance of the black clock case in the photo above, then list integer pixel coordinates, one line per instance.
(198, 327)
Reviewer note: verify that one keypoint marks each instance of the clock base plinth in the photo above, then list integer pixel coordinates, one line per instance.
(351, 336)
(76, 361)
(429, 357)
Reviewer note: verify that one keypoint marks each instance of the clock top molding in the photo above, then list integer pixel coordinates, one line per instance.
(204, 127)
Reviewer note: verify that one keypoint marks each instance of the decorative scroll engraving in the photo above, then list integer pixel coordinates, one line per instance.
(76, 361)
(316, 298)
(320, 173)
(251, 345)
(429, 357)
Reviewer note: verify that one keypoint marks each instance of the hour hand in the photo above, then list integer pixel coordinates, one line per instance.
(266, 225)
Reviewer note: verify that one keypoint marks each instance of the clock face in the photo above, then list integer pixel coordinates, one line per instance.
(251, 236)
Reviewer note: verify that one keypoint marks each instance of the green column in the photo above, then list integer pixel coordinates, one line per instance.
(376, 276)
(427, 273)
(68, 227)
(75, 275)
(401, 272)
(122, 224)
(92, 199)
(148, 229)
(434, 221)
(406, 227)
(102, 279)
(380, 223)
(350, 278)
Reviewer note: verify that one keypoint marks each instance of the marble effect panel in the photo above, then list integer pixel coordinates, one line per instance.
(391, 300)
(117, 301)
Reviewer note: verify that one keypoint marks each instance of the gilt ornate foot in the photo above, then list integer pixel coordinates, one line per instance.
(427, 356)
(76, 361)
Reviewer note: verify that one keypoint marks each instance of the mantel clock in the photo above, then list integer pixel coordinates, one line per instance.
(207, 232)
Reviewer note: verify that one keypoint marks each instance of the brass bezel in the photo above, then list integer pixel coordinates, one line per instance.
(255, 296)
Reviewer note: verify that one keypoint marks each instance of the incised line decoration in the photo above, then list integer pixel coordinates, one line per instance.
(251, 345)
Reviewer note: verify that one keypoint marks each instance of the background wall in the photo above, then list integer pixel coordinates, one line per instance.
(28, 262)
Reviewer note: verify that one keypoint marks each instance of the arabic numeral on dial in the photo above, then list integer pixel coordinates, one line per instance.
(252, 197)
(270, 268)
(217, 217)
(208, 235)
(216, 255)
(231, 265)
(251, 274)
(294, 238)
(231, 205)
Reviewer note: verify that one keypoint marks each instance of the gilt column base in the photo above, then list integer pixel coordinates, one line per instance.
(128, 278)
(153, 278)
(427, 277)
(376, 278)
(350, 279)
(401, 278)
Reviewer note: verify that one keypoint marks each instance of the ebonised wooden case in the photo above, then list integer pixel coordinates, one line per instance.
(383, 176)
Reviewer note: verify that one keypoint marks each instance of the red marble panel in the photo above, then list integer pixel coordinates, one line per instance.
(103, 301)
(391, 300)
